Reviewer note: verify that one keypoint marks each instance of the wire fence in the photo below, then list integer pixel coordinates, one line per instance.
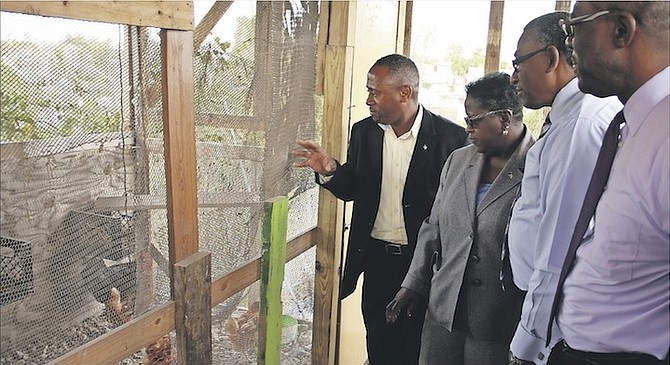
(83, 226)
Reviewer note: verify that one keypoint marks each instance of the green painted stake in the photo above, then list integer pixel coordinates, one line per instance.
(273, 258)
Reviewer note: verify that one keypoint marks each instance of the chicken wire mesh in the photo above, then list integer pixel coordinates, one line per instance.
(82, 174)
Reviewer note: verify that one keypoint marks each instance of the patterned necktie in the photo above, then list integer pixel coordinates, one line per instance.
(601, 173)
(545, 127)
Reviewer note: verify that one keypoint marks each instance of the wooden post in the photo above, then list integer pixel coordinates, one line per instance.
(210, 20)
(193, 318)
(406, 30)
(179, 131)
(337, 98)
(273, 258)
(179, 145)
(562, 5)
(492, 61)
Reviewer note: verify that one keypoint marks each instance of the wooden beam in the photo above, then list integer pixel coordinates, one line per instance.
(148, 202)
(563, 5)
(160, 14)
(131, 337)
(230, 121)
(492, 62)
(124, 341)
(210, 20)
(235, 281)
(337, 94)
(193, 313)
(179, 136)
(407, 40)
(322, 40)
(273, 260)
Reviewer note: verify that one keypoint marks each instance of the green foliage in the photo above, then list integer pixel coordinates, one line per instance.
(53, 90)
(16, 121)
(222, 75)
(460, 64)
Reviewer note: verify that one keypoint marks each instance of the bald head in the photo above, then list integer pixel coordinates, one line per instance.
(620, 49)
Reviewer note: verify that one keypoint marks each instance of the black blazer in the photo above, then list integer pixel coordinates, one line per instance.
(359, 179)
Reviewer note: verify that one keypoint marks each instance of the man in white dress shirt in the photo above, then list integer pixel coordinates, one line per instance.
(615, 306)
(557, 172)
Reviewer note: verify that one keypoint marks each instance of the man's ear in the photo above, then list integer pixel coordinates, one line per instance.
(406, 92)
(554, 57)
(625, 27)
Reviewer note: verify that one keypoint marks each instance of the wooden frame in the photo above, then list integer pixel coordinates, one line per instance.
(334, 65)
(161, 14)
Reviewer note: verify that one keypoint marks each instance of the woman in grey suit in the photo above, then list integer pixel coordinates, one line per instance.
(457, 262)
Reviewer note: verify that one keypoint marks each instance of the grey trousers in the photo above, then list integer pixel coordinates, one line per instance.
(439, 346)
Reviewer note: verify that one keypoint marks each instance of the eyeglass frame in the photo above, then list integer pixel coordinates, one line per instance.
(521, 59)
(568, 25)
(473, 121)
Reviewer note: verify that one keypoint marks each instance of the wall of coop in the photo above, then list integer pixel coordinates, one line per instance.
(85, 210)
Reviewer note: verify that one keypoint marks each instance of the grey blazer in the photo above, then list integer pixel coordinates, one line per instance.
(458, 253)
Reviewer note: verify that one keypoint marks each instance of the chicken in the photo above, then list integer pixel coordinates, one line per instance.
(118, 311)
(159, 352)
(243, 331)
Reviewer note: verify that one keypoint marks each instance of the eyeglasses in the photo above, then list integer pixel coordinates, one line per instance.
(568, 25)
(473, 121)
(521, 59)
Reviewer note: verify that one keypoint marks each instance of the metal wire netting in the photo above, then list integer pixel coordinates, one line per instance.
(82, 182)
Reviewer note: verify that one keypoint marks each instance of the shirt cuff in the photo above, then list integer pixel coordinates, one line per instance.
(323, 179)
(525, 346)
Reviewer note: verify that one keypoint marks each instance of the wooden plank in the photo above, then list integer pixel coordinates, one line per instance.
(160, 14)
(124, 341)
(210, 20)
(492, 61)
(273, 259)
(238, 279)
(337, 93)
(179, 139)
(242, 122)
(215, 150)
(148, 202)
(322, 39)
(407, 40)
(193, 315)
(131, 337)
(563, 5)
(341, 23)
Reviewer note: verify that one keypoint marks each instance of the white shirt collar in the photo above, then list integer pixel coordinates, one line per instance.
(416, 126)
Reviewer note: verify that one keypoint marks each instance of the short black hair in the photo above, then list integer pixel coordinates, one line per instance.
(547, 30)
(402, 69)
(493, 91)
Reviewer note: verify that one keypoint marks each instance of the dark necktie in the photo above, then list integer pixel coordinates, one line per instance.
(601, 173)
(545, 127)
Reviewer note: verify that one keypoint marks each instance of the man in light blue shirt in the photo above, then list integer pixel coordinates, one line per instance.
(557, 172)
(615, 306)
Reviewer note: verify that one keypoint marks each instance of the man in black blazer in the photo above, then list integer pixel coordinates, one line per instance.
(392, 174)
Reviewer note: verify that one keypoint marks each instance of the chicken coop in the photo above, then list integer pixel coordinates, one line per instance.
(126, 155)
(139, 153)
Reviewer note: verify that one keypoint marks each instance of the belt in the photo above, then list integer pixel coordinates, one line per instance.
(390, 248)
(614, 358)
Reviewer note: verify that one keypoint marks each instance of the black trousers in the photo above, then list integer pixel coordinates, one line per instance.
(562, 354)
(399, 343)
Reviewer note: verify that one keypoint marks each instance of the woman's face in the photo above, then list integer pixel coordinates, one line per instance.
(486, 132)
